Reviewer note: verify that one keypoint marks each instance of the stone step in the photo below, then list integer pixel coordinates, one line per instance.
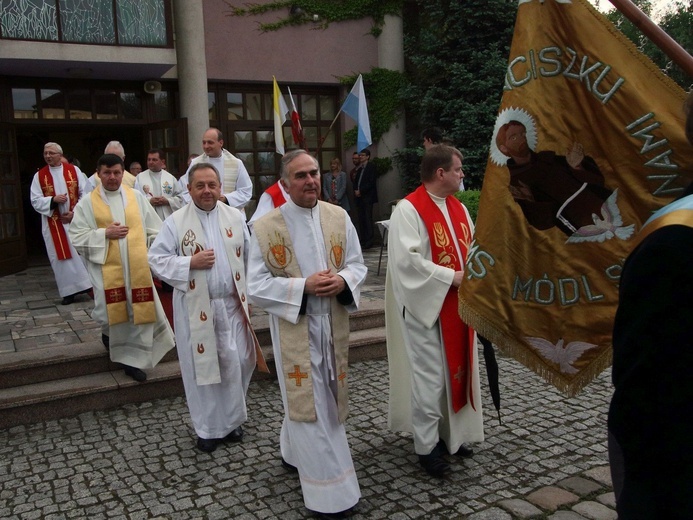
(89, 381)
(96, 391)
(66, 361)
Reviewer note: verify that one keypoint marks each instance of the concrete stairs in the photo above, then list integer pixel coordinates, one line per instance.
(63, 381)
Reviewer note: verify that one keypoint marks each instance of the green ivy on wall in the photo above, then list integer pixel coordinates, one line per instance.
(320, 12)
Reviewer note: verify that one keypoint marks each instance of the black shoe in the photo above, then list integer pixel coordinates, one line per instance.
(106, 341)
(289, 467)
(341, 514)
(135, 373)
(207, 445)
(67, 300)
(235, 436)
(434, 463)
(464, 452)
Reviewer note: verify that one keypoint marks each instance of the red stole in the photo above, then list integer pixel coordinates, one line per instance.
(62, 245)
(458, 338)
(275, 192)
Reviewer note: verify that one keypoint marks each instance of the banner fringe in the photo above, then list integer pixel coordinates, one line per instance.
(523, 354)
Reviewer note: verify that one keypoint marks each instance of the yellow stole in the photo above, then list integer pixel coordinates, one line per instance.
(280, 257)
(142, 287)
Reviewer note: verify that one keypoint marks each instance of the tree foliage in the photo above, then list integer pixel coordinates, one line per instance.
(456, 56)
(677, 22)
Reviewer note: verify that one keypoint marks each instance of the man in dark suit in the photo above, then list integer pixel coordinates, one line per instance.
(365, 195)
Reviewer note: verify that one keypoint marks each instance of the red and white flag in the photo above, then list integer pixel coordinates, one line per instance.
(296, 128)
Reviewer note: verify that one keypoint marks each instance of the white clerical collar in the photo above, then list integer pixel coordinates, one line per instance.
(300, 209)
(201, 211)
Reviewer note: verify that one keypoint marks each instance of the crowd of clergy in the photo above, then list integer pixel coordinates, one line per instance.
(119, 236)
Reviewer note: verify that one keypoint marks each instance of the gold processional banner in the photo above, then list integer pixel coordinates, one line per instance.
(588, 142)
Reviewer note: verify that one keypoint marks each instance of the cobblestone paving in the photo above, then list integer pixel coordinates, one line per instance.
(547, 460)
(139, 461)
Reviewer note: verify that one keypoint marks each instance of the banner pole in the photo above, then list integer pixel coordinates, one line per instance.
(656, 34)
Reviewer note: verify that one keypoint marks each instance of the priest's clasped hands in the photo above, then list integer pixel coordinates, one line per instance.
(324, 283)
(115, 231)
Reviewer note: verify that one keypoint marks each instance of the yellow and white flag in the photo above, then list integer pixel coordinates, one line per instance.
(280, 110)
(588, 142)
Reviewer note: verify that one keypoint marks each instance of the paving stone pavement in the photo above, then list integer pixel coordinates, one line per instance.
(547, 459)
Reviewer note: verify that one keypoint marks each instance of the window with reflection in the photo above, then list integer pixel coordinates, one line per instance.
(79, 104)
(265, 139)
(106, 104)
(328, 107)
(253, 103)
(234, 106)
(157, 138)
(265, 161)
(24, 103)
(163, 106)
(249, 124)
(131, 105)
(242, 140)
(52, 104)
(248, 161)
(309, 107)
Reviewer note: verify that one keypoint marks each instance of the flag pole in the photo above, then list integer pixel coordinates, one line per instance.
(322, 139)
(656, 34)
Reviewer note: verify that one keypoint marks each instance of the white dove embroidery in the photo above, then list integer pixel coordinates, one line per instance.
(564, 356)
(610, 225)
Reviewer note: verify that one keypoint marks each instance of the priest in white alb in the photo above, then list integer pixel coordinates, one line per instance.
(111, 229)
(306, 270)
(202, 251)
(55, 191)
(434, 366)
(159, 187)
(236, 186)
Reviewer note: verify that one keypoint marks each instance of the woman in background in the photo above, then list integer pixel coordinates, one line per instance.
(334, 186)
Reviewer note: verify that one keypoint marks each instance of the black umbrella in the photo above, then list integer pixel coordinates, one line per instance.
(492, 373)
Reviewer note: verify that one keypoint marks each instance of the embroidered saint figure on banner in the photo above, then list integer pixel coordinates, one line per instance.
(568, 192)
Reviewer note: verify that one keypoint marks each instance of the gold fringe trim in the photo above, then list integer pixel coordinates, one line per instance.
(571, 386)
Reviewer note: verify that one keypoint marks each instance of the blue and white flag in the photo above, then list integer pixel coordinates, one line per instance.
(355, 107)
